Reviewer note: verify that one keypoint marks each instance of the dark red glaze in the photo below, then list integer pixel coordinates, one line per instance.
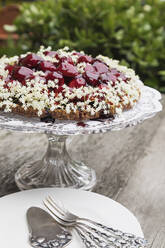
(31, 61)
(59, 90)
(85, 58)
(100, 67)
(55, 75)
(76, 99)
(68, 69)
(22, 73)
(47, 66)
(77, 83)
(67, 80)
(81, 124)
(9, 68)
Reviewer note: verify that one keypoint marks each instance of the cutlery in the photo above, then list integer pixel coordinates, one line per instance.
(44, 231)
(93, 234)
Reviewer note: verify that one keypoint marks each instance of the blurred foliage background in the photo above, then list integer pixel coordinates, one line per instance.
(6, 2)
(132, 31)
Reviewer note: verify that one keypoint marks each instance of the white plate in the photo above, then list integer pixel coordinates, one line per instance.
(14, 230)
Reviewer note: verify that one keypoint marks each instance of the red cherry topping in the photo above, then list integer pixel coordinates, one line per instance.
(96, 73)
(22, 73)
(31, 60)
(107, 77)
(118, 74)
(114, 71)
(52, 54)
(59, 90)
(9, 68)
(89, 68)
(85, 58)
(92, 78)
(91, 75)
(67, 59)
(77, 53)
(100, 67)
(55, 75)
(67, 69)
(77, 83)
(47, 66)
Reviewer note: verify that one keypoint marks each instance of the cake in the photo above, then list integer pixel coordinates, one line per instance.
(66, 85)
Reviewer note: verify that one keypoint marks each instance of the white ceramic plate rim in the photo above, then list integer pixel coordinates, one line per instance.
(87, 204)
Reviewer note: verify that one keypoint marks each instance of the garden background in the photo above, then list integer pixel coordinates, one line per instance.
(132, 31)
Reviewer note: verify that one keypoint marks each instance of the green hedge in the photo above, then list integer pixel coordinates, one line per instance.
(6, 2)
(132, 31)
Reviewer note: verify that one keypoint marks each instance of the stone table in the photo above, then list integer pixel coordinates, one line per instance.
(130, 166)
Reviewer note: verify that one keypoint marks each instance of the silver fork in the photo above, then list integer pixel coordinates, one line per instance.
(92, 233)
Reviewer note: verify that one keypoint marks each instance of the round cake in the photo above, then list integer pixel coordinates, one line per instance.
(66, 84)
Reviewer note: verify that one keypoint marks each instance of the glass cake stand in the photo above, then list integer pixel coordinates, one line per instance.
(57, 168)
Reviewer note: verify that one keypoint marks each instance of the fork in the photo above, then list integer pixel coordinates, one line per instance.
(98, 234)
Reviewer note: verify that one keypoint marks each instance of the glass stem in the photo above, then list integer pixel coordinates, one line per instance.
(56, 169)
(56, 148)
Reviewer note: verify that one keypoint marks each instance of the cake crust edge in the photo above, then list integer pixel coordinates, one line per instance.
(62, 115)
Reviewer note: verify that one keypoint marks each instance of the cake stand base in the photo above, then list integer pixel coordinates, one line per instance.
(56, 169)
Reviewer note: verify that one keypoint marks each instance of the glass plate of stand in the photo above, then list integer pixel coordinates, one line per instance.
(57, 168)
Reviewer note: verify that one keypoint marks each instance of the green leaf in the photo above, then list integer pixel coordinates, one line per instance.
(162, 73)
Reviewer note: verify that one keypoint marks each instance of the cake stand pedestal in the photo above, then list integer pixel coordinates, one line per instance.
(57, 168)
